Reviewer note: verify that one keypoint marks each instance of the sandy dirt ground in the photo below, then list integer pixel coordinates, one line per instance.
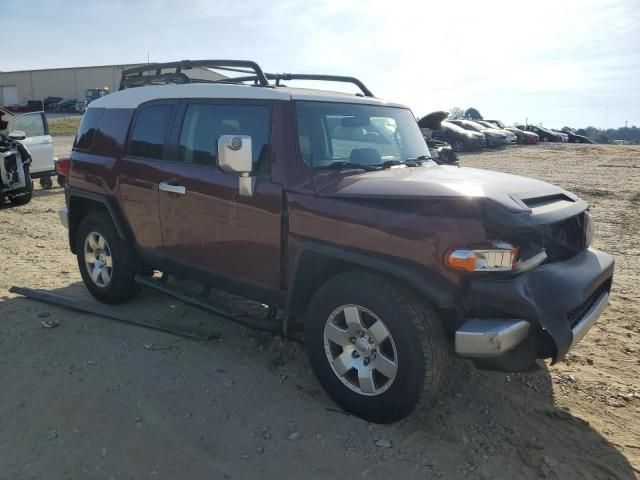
(95, 399)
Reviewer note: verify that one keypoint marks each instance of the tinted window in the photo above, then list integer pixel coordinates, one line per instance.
(32, 124)
(204, 124)
(149, 131)
(87, 129)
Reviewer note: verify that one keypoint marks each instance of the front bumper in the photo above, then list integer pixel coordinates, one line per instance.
(558, 301)
(495, 141)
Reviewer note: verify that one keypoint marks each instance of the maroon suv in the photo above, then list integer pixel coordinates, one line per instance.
(328, 207)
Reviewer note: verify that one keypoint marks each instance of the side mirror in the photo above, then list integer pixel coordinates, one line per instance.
(235, 156)
(17, 135)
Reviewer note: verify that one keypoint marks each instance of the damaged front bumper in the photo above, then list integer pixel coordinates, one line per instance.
(537, 314)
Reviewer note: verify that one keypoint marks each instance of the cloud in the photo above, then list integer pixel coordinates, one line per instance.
(504, 57)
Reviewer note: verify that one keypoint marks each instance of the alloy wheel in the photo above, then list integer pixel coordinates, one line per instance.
(360, 350)
(97, 259)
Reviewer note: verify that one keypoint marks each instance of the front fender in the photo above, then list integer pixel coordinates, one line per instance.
(314, 261)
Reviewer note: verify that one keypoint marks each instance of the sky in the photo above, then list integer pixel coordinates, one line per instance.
(551, 62)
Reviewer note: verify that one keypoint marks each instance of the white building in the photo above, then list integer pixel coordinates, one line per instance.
(21, 86)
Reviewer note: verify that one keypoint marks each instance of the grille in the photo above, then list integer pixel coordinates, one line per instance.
(562, 240)
(575, 315)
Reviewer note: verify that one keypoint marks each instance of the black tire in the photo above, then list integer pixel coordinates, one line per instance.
(417, 335)
(122, 285)
(62, 180)
(458, 146)
(46, 183)
(22, 196)
(21, 199)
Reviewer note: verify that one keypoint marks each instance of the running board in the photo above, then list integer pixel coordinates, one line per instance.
(268, 324)
(110, 313)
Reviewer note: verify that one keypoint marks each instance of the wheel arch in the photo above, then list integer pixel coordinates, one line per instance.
(315, 263)
(82, 203)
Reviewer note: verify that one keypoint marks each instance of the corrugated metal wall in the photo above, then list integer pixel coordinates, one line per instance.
(69, 82)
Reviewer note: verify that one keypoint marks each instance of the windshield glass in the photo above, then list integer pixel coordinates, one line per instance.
(453, 126)
(358, 134)
(487, 124)
(474, 126)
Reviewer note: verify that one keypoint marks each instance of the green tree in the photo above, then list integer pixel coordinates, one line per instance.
(472, 114)
(456, 113)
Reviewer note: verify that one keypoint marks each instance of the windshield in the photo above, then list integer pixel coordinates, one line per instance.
(367, 135)
(453, 126)
(474, 126)
(487, 124)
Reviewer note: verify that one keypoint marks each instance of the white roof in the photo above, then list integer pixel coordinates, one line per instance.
(133, 97)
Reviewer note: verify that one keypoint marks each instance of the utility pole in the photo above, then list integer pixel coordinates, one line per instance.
(147, 58)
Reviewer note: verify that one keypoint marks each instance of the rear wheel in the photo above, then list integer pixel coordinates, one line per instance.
(377, 350)
(107, 263)
(46, 183)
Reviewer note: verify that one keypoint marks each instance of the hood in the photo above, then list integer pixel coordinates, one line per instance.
(443, 181)
(474, 134)
(496, 131)
(6, 117)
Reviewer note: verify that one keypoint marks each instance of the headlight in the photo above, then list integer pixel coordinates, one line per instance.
(588, 229)
(500, 259)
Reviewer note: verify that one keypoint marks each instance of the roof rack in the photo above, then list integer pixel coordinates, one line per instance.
(135, 77)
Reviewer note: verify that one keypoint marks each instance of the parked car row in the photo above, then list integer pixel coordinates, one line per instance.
(463, 134)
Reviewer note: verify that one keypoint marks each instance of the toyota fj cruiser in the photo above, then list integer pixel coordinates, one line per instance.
(328, 207)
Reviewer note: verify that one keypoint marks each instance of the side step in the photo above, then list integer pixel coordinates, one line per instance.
(270, 323)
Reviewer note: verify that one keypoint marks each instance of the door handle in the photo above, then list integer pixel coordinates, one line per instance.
(177, 189)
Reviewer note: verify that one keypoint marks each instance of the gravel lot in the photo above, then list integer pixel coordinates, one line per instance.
(97, 399)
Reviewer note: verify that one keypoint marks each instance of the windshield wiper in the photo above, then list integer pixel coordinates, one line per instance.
(409, 162)
(343, 164)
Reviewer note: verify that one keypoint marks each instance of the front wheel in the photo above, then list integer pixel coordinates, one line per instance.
(376, 349)
(107, 263)
(22, 196)
(458, 146)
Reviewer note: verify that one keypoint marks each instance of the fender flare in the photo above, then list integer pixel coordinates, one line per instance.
(110, 205)
(311, 257)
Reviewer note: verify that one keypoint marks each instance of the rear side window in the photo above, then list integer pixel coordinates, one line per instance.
(88, 127)
(205, 123)
(149, 131)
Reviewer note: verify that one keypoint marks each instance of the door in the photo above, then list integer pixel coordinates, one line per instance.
(206, 225)
(38, 141)
(9, 95)
(141, 170)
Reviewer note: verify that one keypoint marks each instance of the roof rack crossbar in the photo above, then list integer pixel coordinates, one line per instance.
(134, 77)
(300, 76)
(325, 78)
